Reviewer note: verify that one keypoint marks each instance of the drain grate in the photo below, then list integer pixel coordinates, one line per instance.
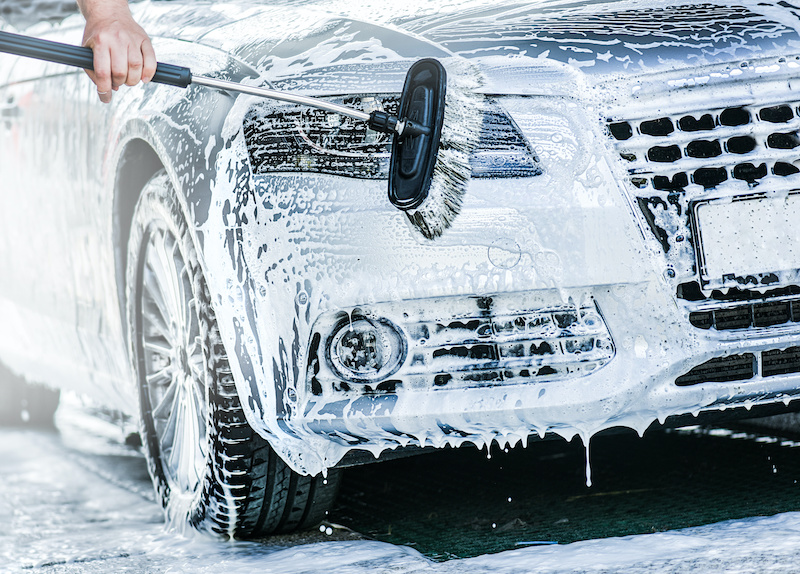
(457, 504)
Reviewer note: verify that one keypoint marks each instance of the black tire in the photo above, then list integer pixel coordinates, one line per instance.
(232, 482)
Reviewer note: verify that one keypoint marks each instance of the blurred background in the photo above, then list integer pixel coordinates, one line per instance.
(23, 13)
(22, 403)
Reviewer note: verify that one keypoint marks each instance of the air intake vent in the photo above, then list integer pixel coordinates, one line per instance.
(709, 147)
(743, 367)
(749, 316)
(720, 370)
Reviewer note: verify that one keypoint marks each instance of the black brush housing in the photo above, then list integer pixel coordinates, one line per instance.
(414, 151)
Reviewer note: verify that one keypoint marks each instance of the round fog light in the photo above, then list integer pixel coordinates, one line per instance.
(366, 349)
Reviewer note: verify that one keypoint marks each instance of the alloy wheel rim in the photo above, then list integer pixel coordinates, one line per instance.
(174, 362)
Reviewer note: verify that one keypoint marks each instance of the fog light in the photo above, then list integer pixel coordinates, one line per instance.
(366, 350)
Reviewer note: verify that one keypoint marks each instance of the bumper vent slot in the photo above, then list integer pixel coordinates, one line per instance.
(721, 370)
(743, 367)
(750, 316)
(780, 362)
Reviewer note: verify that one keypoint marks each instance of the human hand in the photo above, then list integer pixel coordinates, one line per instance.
(123, 54)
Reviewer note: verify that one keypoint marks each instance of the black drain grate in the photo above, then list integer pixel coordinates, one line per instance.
(460, 504)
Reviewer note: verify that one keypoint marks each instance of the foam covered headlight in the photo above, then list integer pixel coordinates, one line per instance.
(287, 138)
(366, 349)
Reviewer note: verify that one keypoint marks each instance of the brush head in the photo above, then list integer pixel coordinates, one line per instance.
(414, 150)
(430, 173)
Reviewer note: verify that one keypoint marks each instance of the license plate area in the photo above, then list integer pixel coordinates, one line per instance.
(750, 241)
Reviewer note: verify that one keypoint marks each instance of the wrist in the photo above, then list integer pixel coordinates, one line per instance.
(95, 10)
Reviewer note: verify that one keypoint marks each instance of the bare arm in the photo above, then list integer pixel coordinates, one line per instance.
(123, 54)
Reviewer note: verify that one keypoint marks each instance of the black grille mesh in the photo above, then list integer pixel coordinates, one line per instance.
(720, 370)
(709, 147)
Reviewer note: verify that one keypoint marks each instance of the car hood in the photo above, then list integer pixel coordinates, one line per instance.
(596, 40)
(617, 37)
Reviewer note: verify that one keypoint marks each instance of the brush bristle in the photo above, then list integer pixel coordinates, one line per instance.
(463, 118)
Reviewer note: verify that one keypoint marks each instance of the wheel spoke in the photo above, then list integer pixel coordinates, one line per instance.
(161, 348)
(192, 330)
(155, 310)
(166, 406)
(183, 289)
(177, 425)
(199, 396)
(164, 415)
(197, 373)
(197, 453)
(164, 280)
(183, 457)
(194, 350)
(175, 362)
(197, 360)
(159, 379)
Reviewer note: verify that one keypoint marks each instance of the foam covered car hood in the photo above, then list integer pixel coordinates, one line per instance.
(614, 37)
(599, 38)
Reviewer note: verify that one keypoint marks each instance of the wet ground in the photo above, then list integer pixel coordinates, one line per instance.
(462, 503)
(80, 500)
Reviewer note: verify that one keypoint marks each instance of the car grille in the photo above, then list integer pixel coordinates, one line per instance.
(483, 341)
(674, 149)
(707, 147)
(743, 367)
(677, 150)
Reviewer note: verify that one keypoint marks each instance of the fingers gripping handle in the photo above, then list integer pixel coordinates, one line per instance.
(81, 57)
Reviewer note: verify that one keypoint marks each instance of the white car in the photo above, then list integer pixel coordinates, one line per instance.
(229, 270)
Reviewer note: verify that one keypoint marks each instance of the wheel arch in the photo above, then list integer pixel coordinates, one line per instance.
(138, 162)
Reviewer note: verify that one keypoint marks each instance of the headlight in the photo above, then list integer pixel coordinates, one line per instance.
(289, 138)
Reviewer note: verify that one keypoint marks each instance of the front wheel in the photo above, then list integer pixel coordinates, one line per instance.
(209, 468)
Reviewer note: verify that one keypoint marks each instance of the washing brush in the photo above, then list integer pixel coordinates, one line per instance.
(434, 132)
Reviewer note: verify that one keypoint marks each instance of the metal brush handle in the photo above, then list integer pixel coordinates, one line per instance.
(81, 57)
(171, 75)
(281, 96)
